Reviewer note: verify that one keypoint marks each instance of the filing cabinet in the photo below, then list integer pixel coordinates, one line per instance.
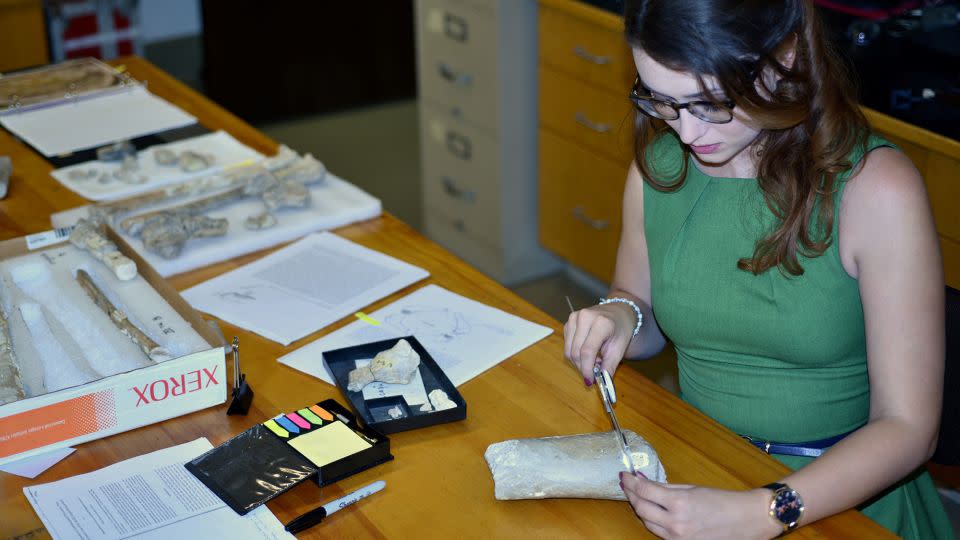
(477, 73)
(586, 128)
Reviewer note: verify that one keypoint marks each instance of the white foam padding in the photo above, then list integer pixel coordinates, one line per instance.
(333, 203)
(78, 326)
(59, 369)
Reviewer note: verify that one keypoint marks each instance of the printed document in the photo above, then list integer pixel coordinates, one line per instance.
(147, 497)
(463, 336)
(303, 287)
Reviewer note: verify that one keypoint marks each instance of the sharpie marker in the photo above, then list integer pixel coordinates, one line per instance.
(316, 515)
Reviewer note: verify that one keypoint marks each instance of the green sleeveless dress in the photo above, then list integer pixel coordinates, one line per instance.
(773, 356)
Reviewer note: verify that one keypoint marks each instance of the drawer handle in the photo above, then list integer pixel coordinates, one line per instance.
(453, 76)
(459, 145)
(452, 190)
(455, 27)
(583, 53)
(597, 224)
(599, 127)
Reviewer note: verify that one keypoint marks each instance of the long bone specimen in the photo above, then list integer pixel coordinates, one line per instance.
(166, 231)
(11, 387)
(233, 177)
(575, 466)
(150, 347)
(86, 236)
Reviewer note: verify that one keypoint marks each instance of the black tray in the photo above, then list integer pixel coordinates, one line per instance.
(373, 412)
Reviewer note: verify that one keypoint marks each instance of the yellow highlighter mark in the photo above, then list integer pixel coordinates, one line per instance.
(366, 318)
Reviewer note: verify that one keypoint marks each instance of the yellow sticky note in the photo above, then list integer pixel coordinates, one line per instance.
(366, 318)
(329, 443)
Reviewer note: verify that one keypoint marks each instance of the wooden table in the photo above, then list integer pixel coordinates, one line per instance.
(439, 485)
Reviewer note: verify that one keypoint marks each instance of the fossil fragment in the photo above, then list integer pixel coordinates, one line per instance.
(396, 365)
(6, 170)
(166, 234)
(191, 161)
(11, 387)
(284, 157)
(257, 222)
(82, 175)
(116, 152)
(86, 236)
(149, 347)
(134, 225)
(286, 194)
(440, 400)
(165, 157)
(575, 466)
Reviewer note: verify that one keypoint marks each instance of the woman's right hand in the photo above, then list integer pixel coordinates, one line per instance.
(598, 335)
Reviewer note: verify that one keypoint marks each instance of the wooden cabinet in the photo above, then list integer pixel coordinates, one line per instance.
(586, 134)
(478, 135)
(23, 35)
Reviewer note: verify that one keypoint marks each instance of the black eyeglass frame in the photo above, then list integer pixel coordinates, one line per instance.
(638, 99)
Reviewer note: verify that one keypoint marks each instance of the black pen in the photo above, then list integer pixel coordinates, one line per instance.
(316, 515)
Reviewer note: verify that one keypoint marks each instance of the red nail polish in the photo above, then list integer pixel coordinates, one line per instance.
(587, 381)
(639, 473)
(621, 486)
(621, 477)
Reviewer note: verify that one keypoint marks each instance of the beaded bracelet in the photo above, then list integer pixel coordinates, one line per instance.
(631, 303)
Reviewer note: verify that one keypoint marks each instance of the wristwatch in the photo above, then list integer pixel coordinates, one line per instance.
(786, 506)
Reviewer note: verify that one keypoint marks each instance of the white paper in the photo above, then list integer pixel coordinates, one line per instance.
(31, 467)
(220, 145)
(333, 203)
(463, 336)
(89, 123)
(149, 496)
(414, 392)
(303, 287)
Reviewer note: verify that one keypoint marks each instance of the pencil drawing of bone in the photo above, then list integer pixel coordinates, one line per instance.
(151, 348)
(86, 236)
(11, 386)
(575, 466)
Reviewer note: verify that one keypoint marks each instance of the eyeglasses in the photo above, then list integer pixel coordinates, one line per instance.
(707, 111)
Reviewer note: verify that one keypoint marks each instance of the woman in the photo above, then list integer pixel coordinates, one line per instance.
(791, 258)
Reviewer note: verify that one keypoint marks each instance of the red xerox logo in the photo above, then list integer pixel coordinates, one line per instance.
(161, 389)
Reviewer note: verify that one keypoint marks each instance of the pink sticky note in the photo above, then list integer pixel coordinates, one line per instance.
(298, 420)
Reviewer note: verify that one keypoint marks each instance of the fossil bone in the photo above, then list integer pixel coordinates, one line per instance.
(165, 157)
(440, 400)
(82, 175)
(395, 365)
(86, 236)
(11, 387)
(257, 222)
(191, 161)
(150, 347)
(166, 234)
(116, 152)
(575, 466)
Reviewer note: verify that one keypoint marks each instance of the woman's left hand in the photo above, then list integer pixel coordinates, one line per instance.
(684, 511)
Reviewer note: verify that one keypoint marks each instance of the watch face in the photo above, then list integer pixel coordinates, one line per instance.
(787, 506)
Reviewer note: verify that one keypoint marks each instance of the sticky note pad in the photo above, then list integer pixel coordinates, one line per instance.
(329, 443)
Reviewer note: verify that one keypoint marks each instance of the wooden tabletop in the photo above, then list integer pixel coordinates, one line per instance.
(439, 485)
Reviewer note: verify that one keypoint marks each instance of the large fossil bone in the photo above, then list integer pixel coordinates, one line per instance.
(149, 347)
(86, 236)
(166, 234)
(11, 386)
(575, 466)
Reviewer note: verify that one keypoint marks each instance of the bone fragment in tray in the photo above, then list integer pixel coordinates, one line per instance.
(11, 386)
(86, 236)
(396, 365)
(149, 347)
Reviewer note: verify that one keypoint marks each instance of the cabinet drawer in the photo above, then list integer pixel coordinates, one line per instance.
(457, 56)
(461, 172)
(591, 53)
(597, 119)
(459, 237)
(580, 204)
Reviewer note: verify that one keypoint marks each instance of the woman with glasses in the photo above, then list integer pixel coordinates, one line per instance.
(790, 256)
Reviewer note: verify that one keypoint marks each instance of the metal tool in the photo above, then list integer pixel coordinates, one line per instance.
(608, 395)
(242, 393)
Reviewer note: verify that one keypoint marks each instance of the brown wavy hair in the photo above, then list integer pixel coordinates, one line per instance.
(807, 112)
